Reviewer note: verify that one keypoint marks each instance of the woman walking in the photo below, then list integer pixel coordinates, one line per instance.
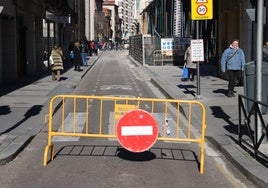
(57, 63)
(190, 64)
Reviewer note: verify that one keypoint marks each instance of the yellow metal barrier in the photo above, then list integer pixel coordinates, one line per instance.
(177, 120)
(162, 56)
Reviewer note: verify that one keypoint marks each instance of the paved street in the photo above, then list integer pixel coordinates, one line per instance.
(26, 106)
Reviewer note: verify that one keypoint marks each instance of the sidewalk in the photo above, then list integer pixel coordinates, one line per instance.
(221, 111)
(24, 104)
(21, 108)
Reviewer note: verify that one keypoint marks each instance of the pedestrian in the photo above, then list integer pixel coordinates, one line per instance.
(71, 52)
(265, 52)
(233, 61)
(84, 51)
(91, 47)
(96, 48)
(45, 59)
(77, 56)
(190, 64)
(57, 62)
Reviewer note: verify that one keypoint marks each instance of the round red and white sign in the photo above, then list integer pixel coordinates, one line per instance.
(137, 131)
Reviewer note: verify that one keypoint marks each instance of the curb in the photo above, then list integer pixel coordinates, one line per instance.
(238, 157)
(241, 159)
(14, 148)
(93, 63)
(12, 145)
(168, 91)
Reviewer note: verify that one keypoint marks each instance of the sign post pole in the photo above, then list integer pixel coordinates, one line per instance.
(197, 55)
(259, 60)
(200, 10)
(198, 65)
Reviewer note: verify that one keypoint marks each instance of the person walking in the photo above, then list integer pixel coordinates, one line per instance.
(77, 56)
(84, 51)
(233, 61)
(190, 64)
(91, 48)
(96, 48)
(57, 62)
(71, 53)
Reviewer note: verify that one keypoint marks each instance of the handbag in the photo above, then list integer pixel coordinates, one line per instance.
(184, 71)
(51, 61)
(72, 55)
(227, 60)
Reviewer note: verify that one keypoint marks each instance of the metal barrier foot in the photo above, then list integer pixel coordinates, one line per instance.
(51, 147)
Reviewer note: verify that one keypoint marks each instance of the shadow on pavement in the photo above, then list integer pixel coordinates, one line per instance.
(130, 156)
(4, 110)
(188, 89)
(221, 91)
(113, 151)
(33, 111)
(28, 79)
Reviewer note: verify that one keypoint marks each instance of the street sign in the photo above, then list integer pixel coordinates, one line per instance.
(137, 131)
(167, 45)
(202, 9)
(197, 50)
(120, 109)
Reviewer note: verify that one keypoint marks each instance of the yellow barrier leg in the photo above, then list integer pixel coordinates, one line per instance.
(202, 164)
(52, 152)
(202, 157)
(51, 147)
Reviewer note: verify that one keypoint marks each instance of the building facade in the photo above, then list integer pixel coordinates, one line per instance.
(30, 27)
(126, 13)
(116, 32)
(171, 18)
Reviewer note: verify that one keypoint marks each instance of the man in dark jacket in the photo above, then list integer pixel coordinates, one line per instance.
(77, 56)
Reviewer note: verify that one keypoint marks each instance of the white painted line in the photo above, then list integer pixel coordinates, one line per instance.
(69, 127)
(136, 130)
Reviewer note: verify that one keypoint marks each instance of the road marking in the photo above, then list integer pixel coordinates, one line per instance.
(69, 127)
(109, 87)
(230, 177)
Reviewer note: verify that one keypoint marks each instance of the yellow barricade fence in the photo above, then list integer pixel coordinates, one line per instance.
(178, 120)
(162, 56)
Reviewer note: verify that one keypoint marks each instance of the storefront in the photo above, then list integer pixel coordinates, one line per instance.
(27, 28)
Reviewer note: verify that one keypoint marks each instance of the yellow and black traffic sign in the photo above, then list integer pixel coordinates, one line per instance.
(202, 9)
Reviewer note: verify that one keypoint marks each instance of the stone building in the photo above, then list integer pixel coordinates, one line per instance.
(28, 27)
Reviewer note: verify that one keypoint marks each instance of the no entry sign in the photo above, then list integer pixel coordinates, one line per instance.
(137, 130)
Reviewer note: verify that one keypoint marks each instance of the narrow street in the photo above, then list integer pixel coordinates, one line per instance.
(90, 162)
